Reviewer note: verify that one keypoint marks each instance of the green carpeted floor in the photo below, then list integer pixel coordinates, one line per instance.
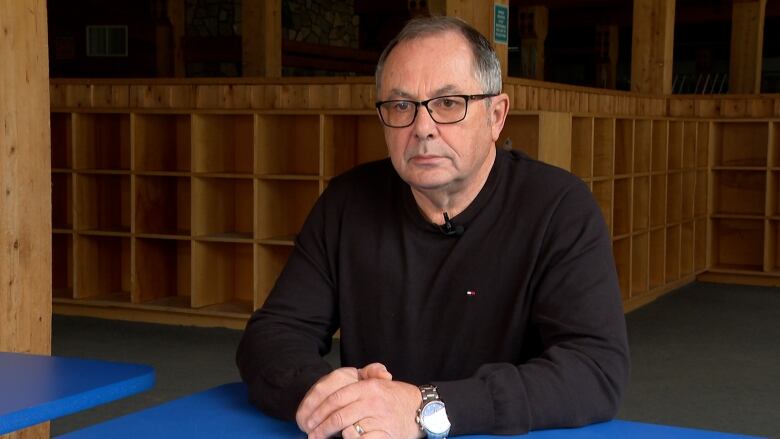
(705, 356)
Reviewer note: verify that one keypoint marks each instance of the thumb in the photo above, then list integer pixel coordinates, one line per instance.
(374, 370)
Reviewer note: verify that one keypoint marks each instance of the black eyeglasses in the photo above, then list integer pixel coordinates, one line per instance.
(400, 113)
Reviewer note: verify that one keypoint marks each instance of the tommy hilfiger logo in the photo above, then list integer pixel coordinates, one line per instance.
(471, 293)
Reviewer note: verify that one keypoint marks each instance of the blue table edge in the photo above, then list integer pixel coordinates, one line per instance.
(86, 400)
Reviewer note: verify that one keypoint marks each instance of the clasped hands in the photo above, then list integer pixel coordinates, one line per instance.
(360, 403)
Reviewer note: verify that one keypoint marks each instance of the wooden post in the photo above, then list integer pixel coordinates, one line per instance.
(606, 56)
(261, 36)
(480, 15)
(652, 46)
(25, 184)
(177, 18)
(533, 31)
(747, 43)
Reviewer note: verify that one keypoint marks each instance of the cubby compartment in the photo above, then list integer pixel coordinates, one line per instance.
(222, 276)
(62, 200)
(675, 151)
(657, 200)
(162, 205)
(287, 144)
(674, 197)
(521, 132)
(350, 140)
(223, 144)
(602, 192)
(282, 207)
(741, 144)
(61, 141)
(738, 244)
(774, 143)
(582, 146)
(660, 146)
(161, 142)
(689, 145)
(223, 208)
(672, 253)
(624, 146)
(688, 194)
(603, 147)
(621, 248)
(640, 264)
(700, 244)
(162, 272)
(62, 265)
(103, 203)
(643, 140)
(703, 145)
(269, 262)
(739, 192)
(657, 264)
(101, 141)
(621, 219)
(686, 248)
(103, 268)
(641, 204)
(772, 257)
(701, 194)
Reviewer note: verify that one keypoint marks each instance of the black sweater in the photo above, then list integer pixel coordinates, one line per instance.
(518, 320)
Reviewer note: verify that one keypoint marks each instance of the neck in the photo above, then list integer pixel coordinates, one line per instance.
(453, 198)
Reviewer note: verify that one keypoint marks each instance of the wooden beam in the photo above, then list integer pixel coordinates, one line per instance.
(177, 17)
(652, 46)
(25, 183)
(262, 38)
(747, 44)
(606, 55)
(480, 15)
(533, 23)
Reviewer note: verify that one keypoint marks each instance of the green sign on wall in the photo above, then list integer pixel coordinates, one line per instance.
(500, 24)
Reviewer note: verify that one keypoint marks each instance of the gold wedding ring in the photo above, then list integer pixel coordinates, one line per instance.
(359, 429)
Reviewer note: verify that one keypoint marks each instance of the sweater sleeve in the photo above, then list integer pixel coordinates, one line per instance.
(578, 319)
(280, 354)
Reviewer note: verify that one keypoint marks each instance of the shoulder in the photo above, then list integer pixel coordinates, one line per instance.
(370, 180)
(538, 180)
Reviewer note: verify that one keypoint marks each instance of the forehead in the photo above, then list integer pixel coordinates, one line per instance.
(428, 63)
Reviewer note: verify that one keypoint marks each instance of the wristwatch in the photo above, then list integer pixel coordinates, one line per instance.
(432, 415)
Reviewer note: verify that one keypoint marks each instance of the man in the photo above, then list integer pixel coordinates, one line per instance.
(475, 288)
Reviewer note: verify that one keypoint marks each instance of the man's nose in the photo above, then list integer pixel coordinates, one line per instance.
(424, 125)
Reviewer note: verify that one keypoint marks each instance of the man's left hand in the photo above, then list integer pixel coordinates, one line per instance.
(381, 408)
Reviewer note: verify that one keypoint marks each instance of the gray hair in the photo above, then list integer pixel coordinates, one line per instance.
(487, 68)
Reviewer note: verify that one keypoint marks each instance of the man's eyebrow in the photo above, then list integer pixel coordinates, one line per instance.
(448, 89)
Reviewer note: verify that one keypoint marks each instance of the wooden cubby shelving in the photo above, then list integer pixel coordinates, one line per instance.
(177, 203)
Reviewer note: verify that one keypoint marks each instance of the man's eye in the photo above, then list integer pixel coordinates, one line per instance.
(448, 103)
(401, 106)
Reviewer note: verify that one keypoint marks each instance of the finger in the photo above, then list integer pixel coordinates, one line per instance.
(321, 390)
(374, 370)
(338, 420)
(351, 431)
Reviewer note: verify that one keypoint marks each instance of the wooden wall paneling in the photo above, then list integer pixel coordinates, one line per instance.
(603, 147)
(177, 16)
(622, 207)
(223, 276)
(643, 138)
(223, 143)
(523, 132)
(640, 264)
(287, 144)
(162, 272)
(624, 146)
(161, 142)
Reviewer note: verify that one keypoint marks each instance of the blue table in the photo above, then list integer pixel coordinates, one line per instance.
(38, 388)
(223, 412)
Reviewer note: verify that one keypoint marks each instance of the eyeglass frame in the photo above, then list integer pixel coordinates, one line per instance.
(418, 104)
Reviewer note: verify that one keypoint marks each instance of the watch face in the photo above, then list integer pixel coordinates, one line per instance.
(434, 417)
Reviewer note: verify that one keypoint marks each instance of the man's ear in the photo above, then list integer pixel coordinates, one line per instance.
(499, 108)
